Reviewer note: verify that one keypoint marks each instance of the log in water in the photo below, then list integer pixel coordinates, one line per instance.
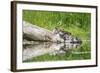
(33, 32)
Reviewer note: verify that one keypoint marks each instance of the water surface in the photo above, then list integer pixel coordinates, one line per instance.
(47, 51)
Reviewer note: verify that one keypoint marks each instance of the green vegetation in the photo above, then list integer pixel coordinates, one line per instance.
(79, 24)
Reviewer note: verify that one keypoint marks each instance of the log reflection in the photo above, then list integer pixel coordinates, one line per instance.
(40, 48)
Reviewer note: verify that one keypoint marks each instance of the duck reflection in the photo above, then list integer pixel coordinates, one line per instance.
(40, 48)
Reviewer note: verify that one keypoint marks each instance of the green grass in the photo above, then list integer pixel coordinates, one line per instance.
(79, 24)
(76, 23)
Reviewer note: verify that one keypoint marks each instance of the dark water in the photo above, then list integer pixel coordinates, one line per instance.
(47, 51)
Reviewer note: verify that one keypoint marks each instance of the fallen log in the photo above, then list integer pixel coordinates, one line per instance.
(33, 32)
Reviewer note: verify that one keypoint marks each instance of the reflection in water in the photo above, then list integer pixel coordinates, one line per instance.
(40, 48)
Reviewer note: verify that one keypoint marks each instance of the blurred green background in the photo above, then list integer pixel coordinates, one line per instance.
(79, 24)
